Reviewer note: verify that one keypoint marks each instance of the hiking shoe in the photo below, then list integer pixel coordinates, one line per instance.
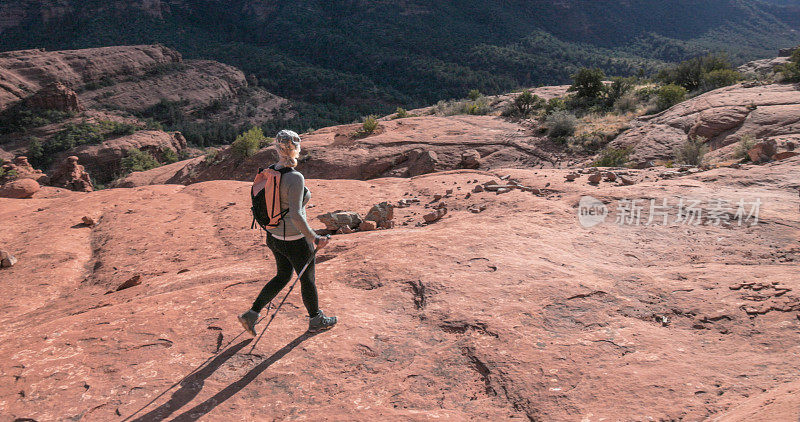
(320, 322)
(248, 320)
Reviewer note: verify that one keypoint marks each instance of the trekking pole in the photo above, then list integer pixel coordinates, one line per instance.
(300, 274)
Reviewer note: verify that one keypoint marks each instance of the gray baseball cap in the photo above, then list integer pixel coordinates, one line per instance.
(288, 137)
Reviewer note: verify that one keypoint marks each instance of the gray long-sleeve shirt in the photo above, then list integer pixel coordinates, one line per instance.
(294, 197)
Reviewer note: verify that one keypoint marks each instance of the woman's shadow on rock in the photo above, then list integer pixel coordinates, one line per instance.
(193, 384)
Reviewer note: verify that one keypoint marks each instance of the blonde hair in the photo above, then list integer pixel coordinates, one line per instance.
(287, 144)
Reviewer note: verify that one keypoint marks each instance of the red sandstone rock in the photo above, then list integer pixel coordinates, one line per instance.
(55, 96)
(19, 189)
(762, 151)
(72, 176)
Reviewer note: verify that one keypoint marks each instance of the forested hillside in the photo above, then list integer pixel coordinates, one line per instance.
(339, 60)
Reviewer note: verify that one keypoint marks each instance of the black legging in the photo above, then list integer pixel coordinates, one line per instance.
(288, 254)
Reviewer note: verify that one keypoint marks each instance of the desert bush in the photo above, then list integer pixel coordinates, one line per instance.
(211, 157)
(7, 175)
(478, 107)
(790, 72)
(137, 160)
(588, 83)
(474, 95)
(587, 143)
(626, 103)
(719, 78)
(691, 73)
(401, 113)
(613, 157)
(368, 126)
(692, 151)
(523, 105)
(555, 104)
(618, 88)
(743, 146)
(169, 155)
(248, 143)
(19, 118)
(560, 124)
(669, 95)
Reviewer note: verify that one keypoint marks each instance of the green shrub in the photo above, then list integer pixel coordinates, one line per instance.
(743, 146)
(613, 157)
(587, 143)
(691, 73)
(474, 95)
(248, 143)
(401, 113)
(114, 129)
(790, 72)
(692, 151)
(669, 95)
(368, 126)
(555, 104)
(524, 105)
(618, 88)
(137, 160)
(211, 157)
(476, 108)
(19, 118)
(169, 155)
(627, 103)
(560, 124)
(7, 174)
(588, 83)
(719, 78)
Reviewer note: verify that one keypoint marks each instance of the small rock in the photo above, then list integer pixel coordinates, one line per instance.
(133, 281)
(784, 155)
(7, 260)
(437, 197)
(368, 225)
(572, 176)
(386, 225)
(470, 159)
(625, 181)
(380, 213)
(345, 230)
(478, 189)
(448, 192)
(435, 215)
(477, 209)
(595, 178)
(468, 195)
(503, 190)
(89, 221)
(338, 219)
(610, 176)
(762, 151)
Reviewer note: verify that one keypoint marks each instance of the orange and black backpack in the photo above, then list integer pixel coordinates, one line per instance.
(266, 197)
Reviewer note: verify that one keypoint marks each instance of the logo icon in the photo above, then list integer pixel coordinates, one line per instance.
(591, 211)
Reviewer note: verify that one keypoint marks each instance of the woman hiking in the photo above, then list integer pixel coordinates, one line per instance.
(291, 240)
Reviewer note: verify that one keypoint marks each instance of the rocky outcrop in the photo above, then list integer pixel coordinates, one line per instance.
(405, 148)
(337, 220)
(133, 78)
(722, 116)
(763, 67)
(20, 168)
(102, 161)
(23, 73)
(71, 175)
(55, 96)
(19, 189)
